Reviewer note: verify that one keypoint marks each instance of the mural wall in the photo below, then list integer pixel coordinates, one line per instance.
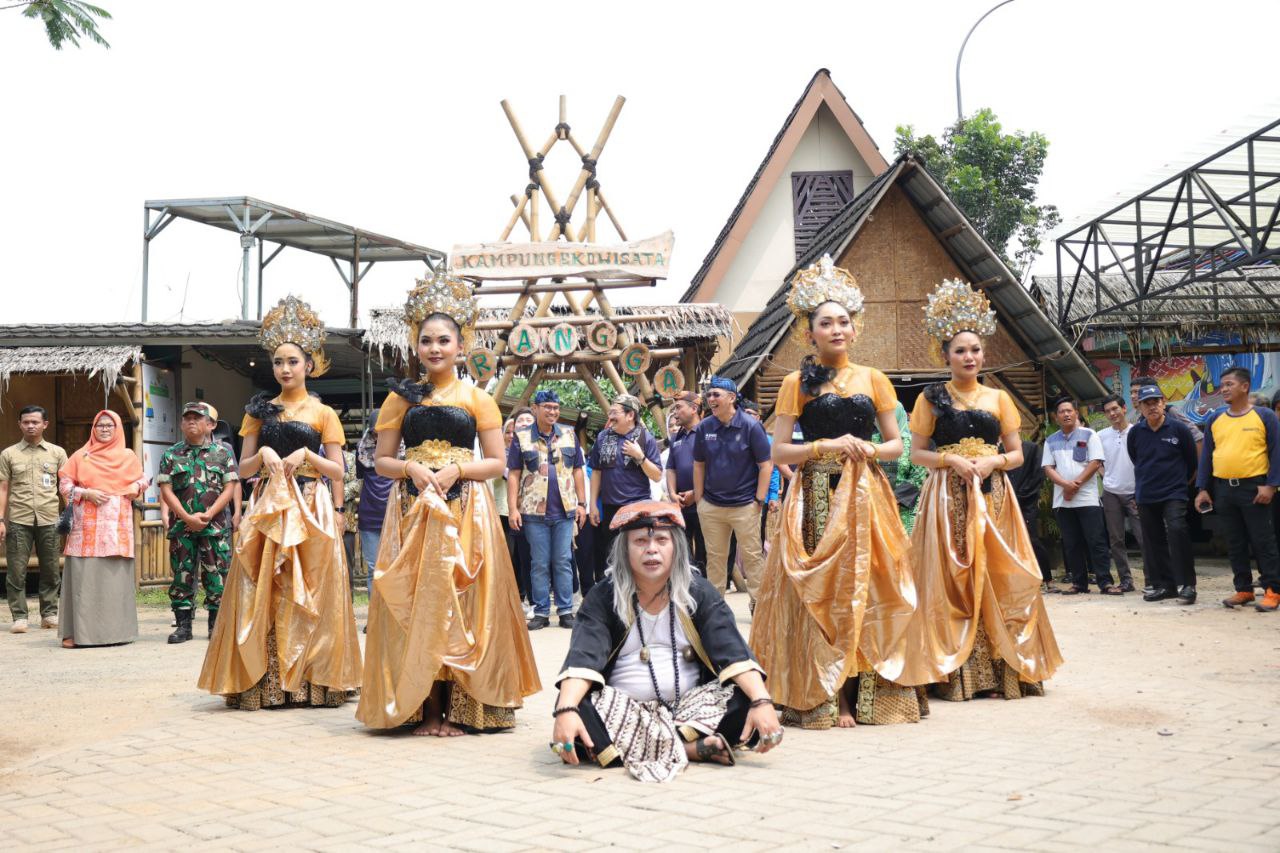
(1190, 382)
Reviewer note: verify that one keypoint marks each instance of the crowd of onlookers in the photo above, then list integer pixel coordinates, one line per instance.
(1159, 471)
(1151, 474)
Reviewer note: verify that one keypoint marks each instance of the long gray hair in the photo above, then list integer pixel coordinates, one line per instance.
(624, 583)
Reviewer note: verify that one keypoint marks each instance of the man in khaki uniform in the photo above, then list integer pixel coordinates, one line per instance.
(29, 516)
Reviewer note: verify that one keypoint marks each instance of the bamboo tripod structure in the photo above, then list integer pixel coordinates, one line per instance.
(527, 211)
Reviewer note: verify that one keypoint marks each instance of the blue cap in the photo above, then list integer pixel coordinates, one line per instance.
(1149, 392)
(724, 384)
(547, 396)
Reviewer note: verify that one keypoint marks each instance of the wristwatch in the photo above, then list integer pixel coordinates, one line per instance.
(341, 509)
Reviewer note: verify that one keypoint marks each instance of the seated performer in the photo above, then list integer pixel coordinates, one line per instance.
(657, 673)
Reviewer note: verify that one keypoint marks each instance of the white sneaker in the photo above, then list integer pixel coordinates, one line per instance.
(19, 626)
(48, 621)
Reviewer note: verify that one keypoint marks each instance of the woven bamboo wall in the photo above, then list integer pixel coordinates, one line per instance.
(898, 261)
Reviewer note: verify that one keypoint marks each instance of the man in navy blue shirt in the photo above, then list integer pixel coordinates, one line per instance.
(731, 471)
(685, 413)
(1163, 451)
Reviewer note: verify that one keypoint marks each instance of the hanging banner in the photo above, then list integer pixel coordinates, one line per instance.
(649, 258)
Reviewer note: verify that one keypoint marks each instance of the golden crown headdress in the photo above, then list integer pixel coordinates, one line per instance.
(824, 282)
(955, 307)
(293, 322)
(446, 294)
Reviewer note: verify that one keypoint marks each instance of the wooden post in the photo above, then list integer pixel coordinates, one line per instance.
(531, 387)
(594, 387)
(138, 392)
(529, 155)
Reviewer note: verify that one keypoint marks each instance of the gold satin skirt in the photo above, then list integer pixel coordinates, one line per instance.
(837, 594)
(979, 590)
(445, 608)
(287, 591)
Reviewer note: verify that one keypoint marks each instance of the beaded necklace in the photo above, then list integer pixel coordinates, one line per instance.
(644, 648)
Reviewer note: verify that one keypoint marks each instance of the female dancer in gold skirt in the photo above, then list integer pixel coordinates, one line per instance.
(981, 625)
(837, 595)
(447, 641)
(286, 633)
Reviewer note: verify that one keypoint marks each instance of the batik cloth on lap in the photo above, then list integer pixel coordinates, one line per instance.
(649, 738)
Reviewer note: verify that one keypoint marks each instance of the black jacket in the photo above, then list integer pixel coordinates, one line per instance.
(598, 635)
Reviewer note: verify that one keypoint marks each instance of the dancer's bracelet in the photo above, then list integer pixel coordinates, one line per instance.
(942, 461)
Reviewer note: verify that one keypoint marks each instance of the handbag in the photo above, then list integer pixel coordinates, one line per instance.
(64, 520)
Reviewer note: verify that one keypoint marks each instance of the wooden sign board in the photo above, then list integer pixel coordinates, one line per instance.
(524, 341)
(602, 336)
(634, 360)
(649, 258)
(482, 364)
(669, 380)
(562, 339)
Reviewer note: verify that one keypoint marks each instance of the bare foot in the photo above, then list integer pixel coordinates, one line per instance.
(844, 718)
(68, 643)
(429, 727)
(448, 729)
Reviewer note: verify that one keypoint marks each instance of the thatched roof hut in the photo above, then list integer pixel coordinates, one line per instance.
(696, 328)
(106, 363)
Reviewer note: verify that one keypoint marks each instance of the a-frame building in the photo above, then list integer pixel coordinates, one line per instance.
(820, 160)
(901, 237)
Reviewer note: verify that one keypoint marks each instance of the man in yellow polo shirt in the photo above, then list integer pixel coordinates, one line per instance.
(1239, 472)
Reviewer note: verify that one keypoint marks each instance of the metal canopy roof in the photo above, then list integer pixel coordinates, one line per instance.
(278, 224)
(262, 222)
(1199, 242)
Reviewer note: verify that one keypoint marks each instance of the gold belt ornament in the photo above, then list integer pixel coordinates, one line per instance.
(306, 470)
(436, 453)
(970, 448)
(827, 463)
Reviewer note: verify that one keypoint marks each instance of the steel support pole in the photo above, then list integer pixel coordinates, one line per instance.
(260, 266)
(146, 257)
(246, 243)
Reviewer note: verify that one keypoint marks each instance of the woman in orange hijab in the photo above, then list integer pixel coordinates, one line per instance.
(99, 482)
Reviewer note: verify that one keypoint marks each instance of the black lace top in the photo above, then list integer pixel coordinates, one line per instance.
(831, 416)
(421, 424)
(284, 437)
(953, 424)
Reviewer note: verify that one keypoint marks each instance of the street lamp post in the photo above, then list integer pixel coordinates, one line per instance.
(960, 55)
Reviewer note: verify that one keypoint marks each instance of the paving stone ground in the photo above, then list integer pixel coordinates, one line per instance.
(1160, 731)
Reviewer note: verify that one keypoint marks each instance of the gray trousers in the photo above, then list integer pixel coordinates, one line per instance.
(1117, 508)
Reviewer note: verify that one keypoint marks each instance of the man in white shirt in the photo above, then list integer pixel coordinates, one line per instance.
(1072, 457)
(1118, 487)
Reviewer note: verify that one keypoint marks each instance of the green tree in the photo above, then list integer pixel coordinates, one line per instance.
(992, 175)
(65, 20)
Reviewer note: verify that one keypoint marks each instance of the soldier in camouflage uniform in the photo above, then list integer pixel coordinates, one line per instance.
(197, 479)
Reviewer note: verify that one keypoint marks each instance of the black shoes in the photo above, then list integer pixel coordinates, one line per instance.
(1187, 595)
(566, 620)
(183, 631)
(1162, 594)
(538, 622)
(213, 620)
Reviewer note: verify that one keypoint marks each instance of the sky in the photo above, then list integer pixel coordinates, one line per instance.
(385, 115)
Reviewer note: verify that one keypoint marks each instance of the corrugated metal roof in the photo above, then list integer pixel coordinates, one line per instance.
(280, 224)
(91, 334)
